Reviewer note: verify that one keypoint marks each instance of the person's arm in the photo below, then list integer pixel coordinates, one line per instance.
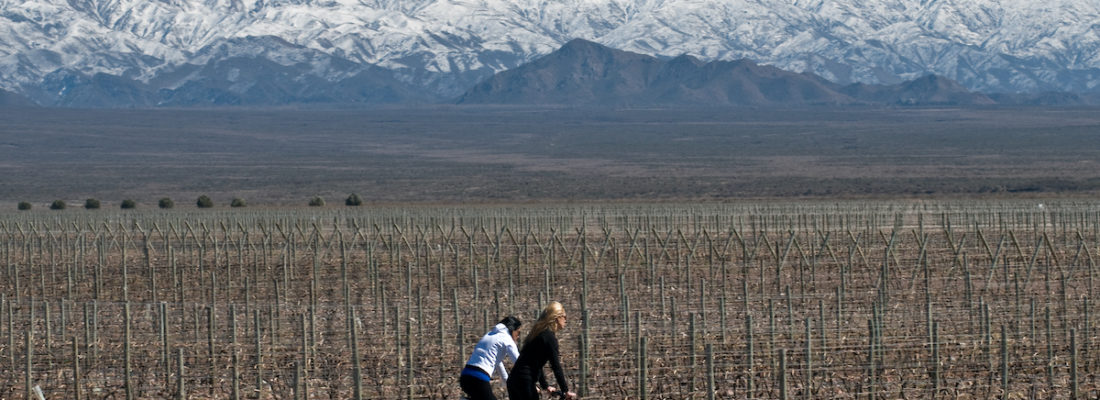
(542, 380)
(512, 351)
(503, 371)
(555, 363)
(509, 349)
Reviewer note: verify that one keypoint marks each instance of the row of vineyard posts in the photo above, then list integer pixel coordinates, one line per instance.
(860, 300)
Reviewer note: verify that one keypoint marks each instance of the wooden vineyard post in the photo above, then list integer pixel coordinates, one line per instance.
(582, 386)
(1073, 383)
(722, 321)
(692, 354)
(127, 352)
(582, 389)
(248, 307)
(485, 320)
(790, 310)
(643, 368)
(87, 335)
(454, 306)
(877, 345)
(257, 364)
(1004, 361)
(442, 333)
(299, 382)
(210, 348)
(710, 372)
(357, 373)
(702, 307)
(839, 315)
(673, 325)
(749, 373)
(1031, 318)
(235, 393)
(181, 392)
(303, 365)
(477, 282)
(76, 371)
(177, 282)
(935, 358)
(871, 359)
(636, 338)
(152, 272)
(624, 305)
(11, 338)
(809, 361)
(125, 277)
(46, 323)
(1050, 352)
(546, 285)
(783, 374)
(409, 358)
(771, 327)
(988, 342)
(461, 345)
(664, 305)
(274, 323)
(821, 326)
(1087, 335)
(29, 376)
(162, 328)
(312, 365)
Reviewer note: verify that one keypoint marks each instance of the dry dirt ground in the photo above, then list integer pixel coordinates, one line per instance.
(488, 155)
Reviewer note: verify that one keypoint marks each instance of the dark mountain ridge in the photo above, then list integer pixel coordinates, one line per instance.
(587, 73)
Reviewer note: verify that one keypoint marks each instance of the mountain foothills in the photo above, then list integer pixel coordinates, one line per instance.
(142, 53)
(583, 72)
(8, 99)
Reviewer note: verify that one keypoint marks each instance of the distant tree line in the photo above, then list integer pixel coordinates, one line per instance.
(203, 201)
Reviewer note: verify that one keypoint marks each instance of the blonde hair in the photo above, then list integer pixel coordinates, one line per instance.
(546, 321)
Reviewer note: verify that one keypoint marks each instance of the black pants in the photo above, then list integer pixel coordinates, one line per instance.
(476, 389)
(521, 388)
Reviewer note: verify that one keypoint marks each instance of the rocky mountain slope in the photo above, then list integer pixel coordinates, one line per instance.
(587, 73)
(260, 52)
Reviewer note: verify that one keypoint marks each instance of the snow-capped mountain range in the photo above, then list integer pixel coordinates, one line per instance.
(185, 52)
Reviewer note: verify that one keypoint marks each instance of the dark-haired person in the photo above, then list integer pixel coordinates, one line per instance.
(540, 347)
(488, 356)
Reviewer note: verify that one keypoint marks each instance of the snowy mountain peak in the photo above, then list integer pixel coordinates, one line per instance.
(443, 47)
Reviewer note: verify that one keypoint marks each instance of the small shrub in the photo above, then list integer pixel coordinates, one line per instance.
(24, 206)
(204, 202)
(237, 202)
(128, 204)
(91, 204)
(57, 205)
(317, 202)
(353, 200)
(165, 203)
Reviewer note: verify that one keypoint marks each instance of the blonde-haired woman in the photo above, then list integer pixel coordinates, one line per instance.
(540, 346)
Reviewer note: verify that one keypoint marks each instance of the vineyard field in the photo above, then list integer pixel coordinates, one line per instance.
(950, 299)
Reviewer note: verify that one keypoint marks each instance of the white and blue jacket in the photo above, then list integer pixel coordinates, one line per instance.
(490, 352)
